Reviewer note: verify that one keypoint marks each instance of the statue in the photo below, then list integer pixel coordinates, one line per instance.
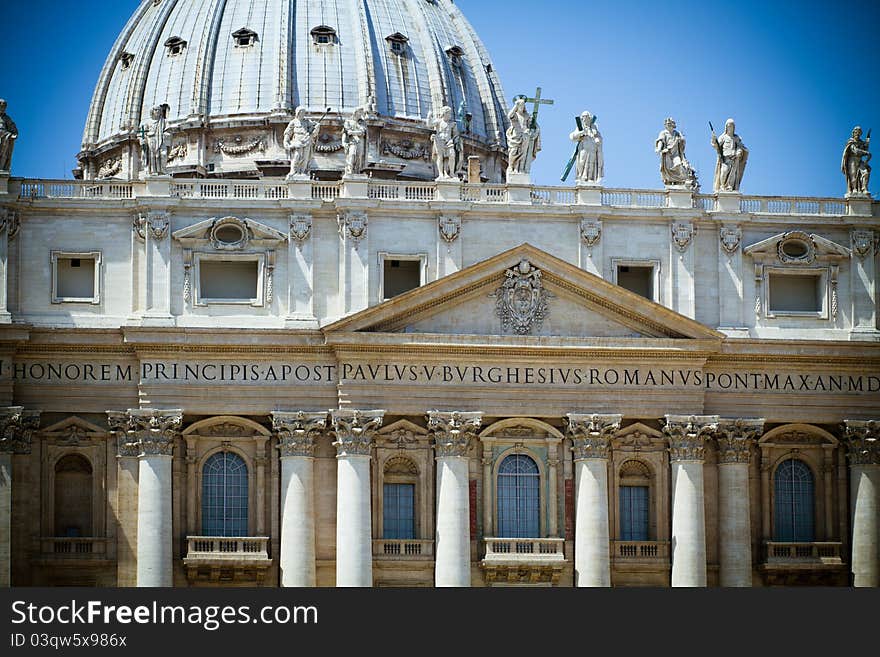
(154, 142)
(589, 158)
(523, 138)
(8, 135)
(732, 156)
(354, 141)
(854, 163)
(447, 144)
(299, 140)
(674, 166)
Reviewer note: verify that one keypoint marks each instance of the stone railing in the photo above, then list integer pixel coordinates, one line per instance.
(39, 189)
(792, 205)
(233, 189)
(393, 549)
(394, 191)
(220, 548)
(524, 549)
(326, 191)
(827, 552)
(73, 548)
(640, 550)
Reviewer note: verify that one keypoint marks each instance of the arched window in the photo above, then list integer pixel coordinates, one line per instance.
(793, 502)
(519, 498)
(399, 499)
(633, 501)
(225, 495)
(73, 496)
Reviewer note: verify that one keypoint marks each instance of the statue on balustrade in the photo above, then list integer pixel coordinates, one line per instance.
(447, 148)
(8, 135)
(674, 166)
(523, 138)
(154, 141)
(590, 161)
(731, 162)
(299, 140)
(854, 163)
(354, 141)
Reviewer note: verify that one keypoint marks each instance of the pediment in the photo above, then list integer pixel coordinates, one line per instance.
(229, 233)
(524, 292)
(402, 434)
(73, 424)
(797, 247)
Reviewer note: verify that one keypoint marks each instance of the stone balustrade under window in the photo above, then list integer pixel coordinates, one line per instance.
(393, 549)
(640, 550)
(217, 548)
(527, 550)
(73, 548)
(818, 553)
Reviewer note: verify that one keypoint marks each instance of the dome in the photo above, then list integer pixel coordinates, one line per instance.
(231, 73)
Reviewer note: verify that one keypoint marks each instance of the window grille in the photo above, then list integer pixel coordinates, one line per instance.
(225, 496)
(519, 499)
(794, 502)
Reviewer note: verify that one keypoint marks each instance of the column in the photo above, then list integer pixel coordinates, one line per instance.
(488, 523)
(296, 433)
(127, 451)
(591, 439)
(735, 438)
(452, 433)
(260, 461)
(16, 432)
(155, 431)
(155, 228)
(354, 539)
(191, 491)
(687, 435)
(863, 439)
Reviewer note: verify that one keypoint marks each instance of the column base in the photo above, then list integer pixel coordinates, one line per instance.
(730, 202)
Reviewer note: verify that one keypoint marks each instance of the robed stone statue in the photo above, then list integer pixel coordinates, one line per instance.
(674, 167)
(154, 141)
(8, 135)
(590, 163)
(299, 140)
(446, 144)
(854, 163)
(354, 141)
(731, 162)
(523, 138)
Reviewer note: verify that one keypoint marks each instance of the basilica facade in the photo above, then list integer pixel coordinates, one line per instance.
(304, 320)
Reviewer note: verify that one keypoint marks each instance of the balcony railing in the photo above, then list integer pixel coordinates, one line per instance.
(401, 191)
(402, 549)
(212, 549)
(527, 550)
(635, 550)
(73, 548)
(37, 189)
(819, 553)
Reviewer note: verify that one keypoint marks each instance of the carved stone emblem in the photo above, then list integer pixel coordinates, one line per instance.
(731, 236)
(300, 228)
(796, 247)
(862, 242)
(353, 226)
(10, 222)
(157, 223)
(521, 301)
(110, 167)
(591, 232)
(177, 152)
(682, 234)
(450, 228)
(239, 146)
(327, 143)
(406, 149)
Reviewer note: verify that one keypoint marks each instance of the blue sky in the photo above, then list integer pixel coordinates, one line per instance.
(796, 76)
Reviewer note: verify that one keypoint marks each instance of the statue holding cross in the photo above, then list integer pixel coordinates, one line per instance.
(524, 134)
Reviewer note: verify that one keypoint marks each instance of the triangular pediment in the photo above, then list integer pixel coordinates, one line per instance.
(210, 230)
(73, 424)
(524, 292)
(797, 247)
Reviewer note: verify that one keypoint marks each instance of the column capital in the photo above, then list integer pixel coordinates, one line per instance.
(17, 428)
(126, 446)
(148, 431)
(452, 431)
(687, 435)
(591, 434)
(863, 439)
(297, 431)
(354, 430)
(735, 438)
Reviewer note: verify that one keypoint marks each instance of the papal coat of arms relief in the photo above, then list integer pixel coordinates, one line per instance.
(521, 301)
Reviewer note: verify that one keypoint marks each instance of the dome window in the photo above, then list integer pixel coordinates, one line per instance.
(397, 42)
(244, 38)
(455, 56)
(323, 35)
(125, 60)
(175, 46)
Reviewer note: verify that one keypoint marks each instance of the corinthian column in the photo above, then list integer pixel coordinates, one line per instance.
(591, 438)
(154, 431)
(735, 438)
(16, 431)
(354, 539)
(863, 438)
(687, 435)
(452, 433)
(296, 433)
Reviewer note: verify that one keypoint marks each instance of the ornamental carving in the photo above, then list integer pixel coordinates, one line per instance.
(110, 167)
(682, 235)
(156, 223)
(355, 430)
(591, 232)
(239, 146)
(177, 152)
(229, 234)
(150, 431)
(796, 247)
(862, 242)
(731, 237)
(401, 438)
(9, 222)
(735, 438)
(17, 428)
(226, 429)
(400, 465)
(450, 228)
(327, 143)
(863, 437)
(521, 301)
(591, 434)
(297, 431)
(126, 446)
(406, 149)
(687, 435)
(300, 228)
(453, 431)
(353, 226)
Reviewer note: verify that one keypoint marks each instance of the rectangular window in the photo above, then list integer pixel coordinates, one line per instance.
(799, 293)
(398, 506)
(637, 279)
(401, 273)
(229, 281)
(634, 513)
(76, 277)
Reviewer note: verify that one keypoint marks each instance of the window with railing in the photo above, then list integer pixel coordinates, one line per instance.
(519, 499)
(399, 511)
(225, 495)
(73, 496)
(793, 503)
(634, 521)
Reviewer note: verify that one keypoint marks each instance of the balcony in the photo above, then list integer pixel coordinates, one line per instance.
(388, 549)
(57, 550)
(804, 563)
(523, 560)
(227, 559)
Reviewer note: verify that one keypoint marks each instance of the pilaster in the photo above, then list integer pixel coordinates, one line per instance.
(9, 226)
(863, 441)
(448, 244)
(591, 248)
(300, 273)
(16, 434)
(354, 269)
(681, 258)
(730, 276)
(863, 281)
(154, 228)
